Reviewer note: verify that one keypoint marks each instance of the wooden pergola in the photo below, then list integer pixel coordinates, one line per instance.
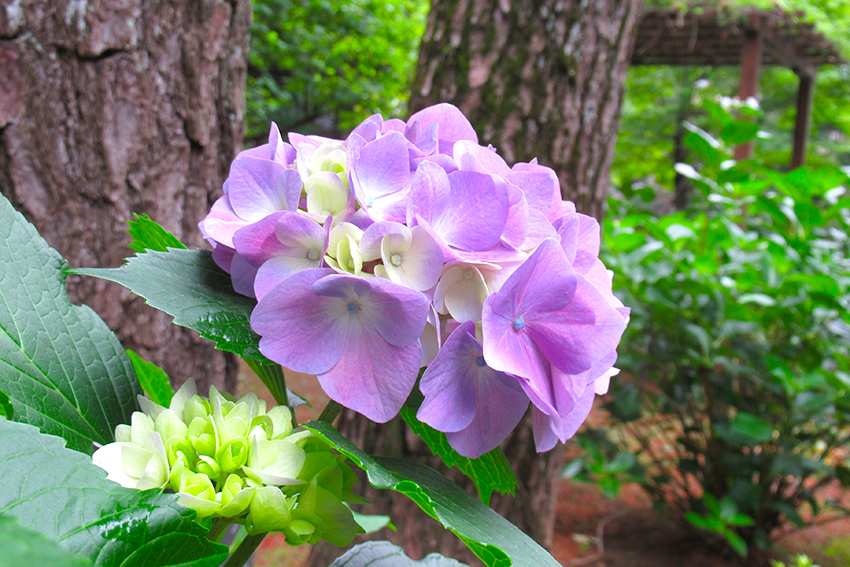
(712, 37)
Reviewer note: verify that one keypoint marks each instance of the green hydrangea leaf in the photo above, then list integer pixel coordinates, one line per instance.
(63, 496)
(26, 547)
(189, 286)
(385, 554)
(6, 409)
(153, 379)
(149, 235)
(62, 368)
(497, 542)
(491, 471)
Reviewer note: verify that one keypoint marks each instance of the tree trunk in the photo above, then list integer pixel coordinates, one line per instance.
(114, 107)
(537, 79)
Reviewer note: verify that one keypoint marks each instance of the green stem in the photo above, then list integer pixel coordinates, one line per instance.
(217, 529)
(330, 412)
(244, 551)
(272, 376)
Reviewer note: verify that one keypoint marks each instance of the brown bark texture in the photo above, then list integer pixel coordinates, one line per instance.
(114, 107)
(537, 79)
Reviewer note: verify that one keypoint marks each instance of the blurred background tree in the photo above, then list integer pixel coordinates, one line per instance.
(322, 66)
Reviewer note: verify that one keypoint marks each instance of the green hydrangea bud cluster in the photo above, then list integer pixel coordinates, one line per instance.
(234, 459)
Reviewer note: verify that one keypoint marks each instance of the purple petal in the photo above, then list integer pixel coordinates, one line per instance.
(545, 282)
(222, 221)
(516, 227)
(301, 329)
(476, 213)
(485, 158)
(398, 313)
(511, 351)
(380, 168)
(223, 256)
(582, 332)
(476, 405)
(453, 125)
(277, 269)
(449, 383)
(539, 184)
(505, 405)
(242, 275)
(372, 377)
(257, 242)
(430, 192)
(260, 187)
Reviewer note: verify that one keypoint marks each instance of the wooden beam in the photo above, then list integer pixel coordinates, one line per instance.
(803, 123)
(750, 66)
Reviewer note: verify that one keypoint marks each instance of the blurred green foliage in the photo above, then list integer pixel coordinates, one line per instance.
(659, 100)
(735, 395)
(321, 66)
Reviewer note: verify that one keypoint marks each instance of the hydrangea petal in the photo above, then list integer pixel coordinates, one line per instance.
(373, 377)
(300, 329)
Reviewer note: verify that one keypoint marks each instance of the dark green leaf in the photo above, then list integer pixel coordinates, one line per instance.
(6, 409)
(60, 365)
(149, 235)
(492, 538)
(189, 286)
(62, 495)
(23, 548)
(491, 471)
(385, 554)
(153, 379)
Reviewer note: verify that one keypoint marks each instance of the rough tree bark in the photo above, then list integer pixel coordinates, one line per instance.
(544, 79)
(110, 107)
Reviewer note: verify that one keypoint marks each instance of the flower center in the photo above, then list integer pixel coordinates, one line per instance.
(395, 259)
(467, 275)
(518, 323)
(313, 255)
(480, 363)
(352, 308)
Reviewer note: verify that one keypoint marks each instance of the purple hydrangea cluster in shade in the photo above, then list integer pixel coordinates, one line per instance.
(410, 245)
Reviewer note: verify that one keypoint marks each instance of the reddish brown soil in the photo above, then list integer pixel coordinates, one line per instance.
(633, 534)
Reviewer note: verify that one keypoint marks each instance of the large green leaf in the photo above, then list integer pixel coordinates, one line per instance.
(62, 495)
(492, 538)
(60, 365)
(189, 286)
(385, 554)
(22, 547)
(491, 471)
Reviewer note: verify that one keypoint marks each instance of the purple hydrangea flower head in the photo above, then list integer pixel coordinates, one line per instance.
(409, 244)
(474, 404)
(359, 336)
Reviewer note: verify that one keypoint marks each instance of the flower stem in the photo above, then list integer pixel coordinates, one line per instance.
(272, 376)
(330, 412)
(218, 528)
(245, 550)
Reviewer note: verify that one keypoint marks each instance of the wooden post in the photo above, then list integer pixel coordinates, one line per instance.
(803, 121)
(750, 66)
